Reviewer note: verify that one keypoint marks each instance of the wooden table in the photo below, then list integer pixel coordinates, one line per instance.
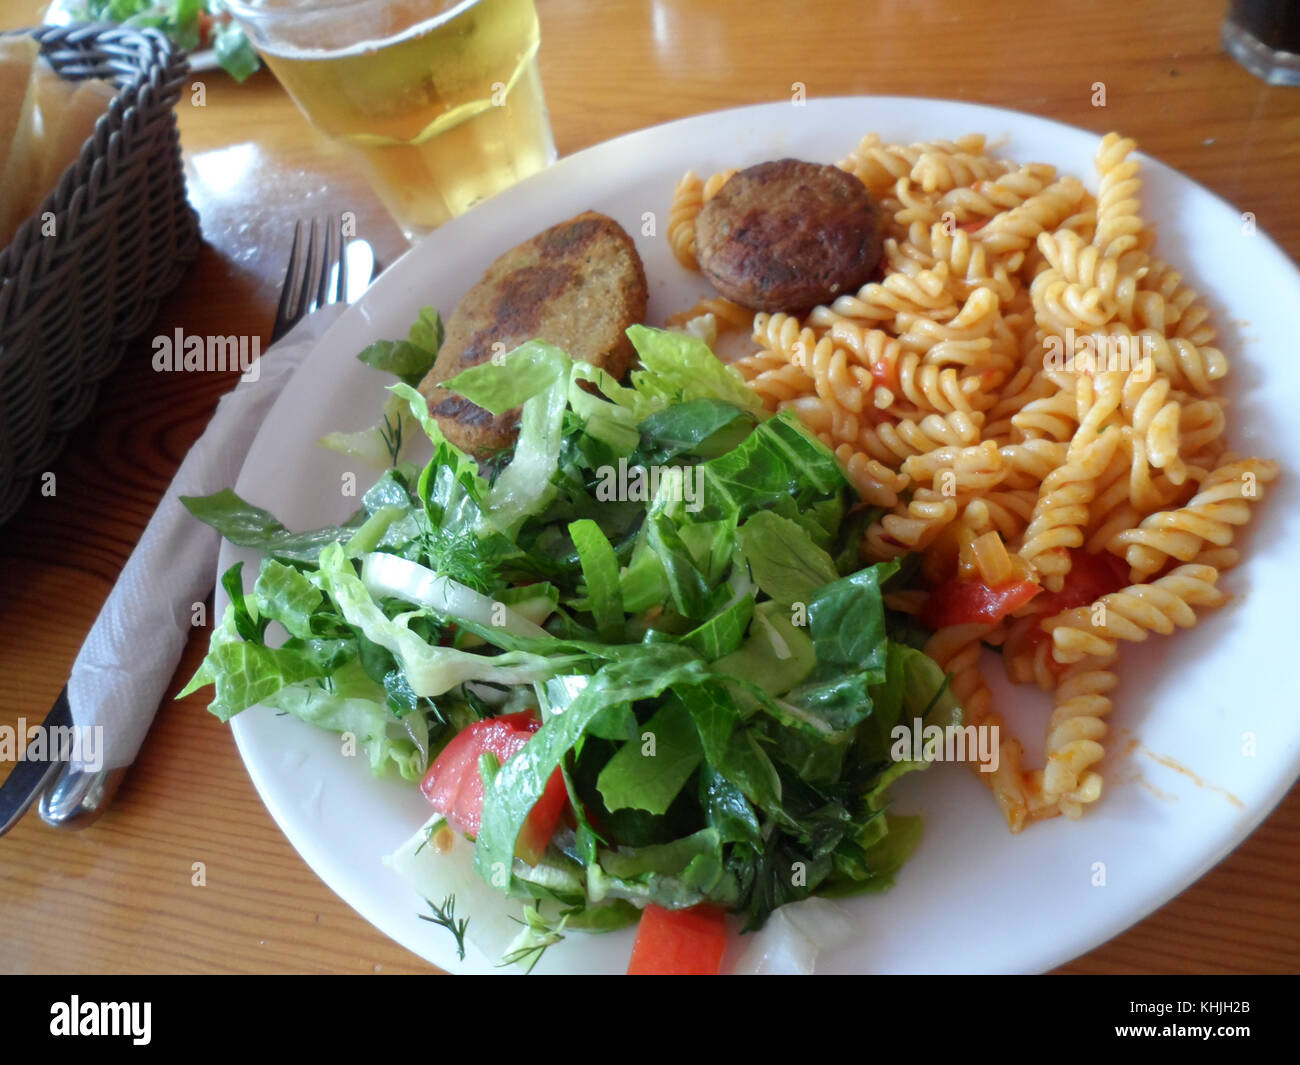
(119, 897)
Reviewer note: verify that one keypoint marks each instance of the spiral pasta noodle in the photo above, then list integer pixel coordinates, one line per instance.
(897, 442)
(936, 170)
(967, 261)
(689, 198)
(1006, 511)
(910, 526)
(1016, 229)
(1118, 224)
(956, 650)
(984, 199)
(727, 316)
(1050, 417)
(922, 388)
(1133, 613)
(880, 166)
(925, 293)
(1074, 735)
(1210, 518)
(1028, 394)
(1062, 510)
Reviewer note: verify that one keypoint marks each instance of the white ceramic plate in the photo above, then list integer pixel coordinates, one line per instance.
(61, 12)
(974, 898)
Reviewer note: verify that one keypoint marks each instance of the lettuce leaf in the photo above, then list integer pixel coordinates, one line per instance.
(355, 704)
(696, 429)
(246, 525)
(784, 561)
(778, 463)
(678, 368)
(645, 777)
(600, 571)
(535, 375)
(677, 874)
(246, 673)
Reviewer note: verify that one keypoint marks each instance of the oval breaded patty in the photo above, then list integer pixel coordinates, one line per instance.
(787, 235)
(578, 285)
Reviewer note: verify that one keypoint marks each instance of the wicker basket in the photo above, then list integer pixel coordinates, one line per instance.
(124, 234)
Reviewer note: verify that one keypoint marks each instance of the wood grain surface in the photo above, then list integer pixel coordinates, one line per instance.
(118, 896)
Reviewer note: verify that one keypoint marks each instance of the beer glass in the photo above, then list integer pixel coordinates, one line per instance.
(440, 101)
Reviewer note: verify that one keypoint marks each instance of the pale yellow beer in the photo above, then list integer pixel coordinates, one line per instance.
(441, 102)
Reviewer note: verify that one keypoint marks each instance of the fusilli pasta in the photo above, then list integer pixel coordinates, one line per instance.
(1027, 391)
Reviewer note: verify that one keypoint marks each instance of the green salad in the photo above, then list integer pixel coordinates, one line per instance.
(190, 24)
(635, 656)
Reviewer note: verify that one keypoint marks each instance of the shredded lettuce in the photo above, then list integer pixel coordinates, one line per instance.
(430, 670)
(663, 572)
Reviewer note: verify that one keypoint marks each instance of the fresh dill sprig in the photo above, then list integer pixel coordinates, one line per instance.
(391, 434)
(445, 917)
(457, 556)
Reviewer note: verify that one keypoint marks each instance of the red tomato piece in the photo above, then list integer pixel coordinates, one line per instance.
(1090, 578)
(886, 373)
(454, 785)
(686, 942)
(969, 601)
(542, 820)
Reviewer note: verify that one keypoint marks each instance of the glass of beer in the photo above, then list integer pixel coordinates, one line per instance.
(440, 101)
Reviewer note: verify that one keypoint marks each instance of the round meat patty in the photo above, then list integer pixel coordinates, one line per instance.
(788, 235)
(579, 285)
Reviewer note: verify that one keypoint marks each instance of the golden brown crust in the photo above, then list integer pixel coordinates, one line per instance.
(787, 235)
(578, 285)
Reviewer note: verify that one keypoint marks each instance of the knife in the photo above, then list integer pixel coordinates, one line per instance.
(32, 775)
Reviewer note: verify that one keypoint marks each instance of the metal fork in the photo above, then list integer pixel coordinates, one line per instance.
(317, 274)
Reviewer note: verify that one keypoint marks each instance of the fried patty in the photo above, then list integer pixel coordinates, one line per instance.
(578, 285)
(788, 235)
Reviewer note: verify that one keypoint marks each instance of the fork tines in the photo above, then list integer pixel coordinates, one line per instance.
(316, 275)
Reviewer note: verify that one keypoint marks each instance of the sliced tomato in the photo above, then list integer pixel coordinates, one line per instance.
(970, 600)
(454, 784)
(686, 942)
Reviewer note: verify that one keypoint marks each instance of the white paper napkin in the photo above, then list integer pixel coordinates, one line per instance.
(129, 657)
